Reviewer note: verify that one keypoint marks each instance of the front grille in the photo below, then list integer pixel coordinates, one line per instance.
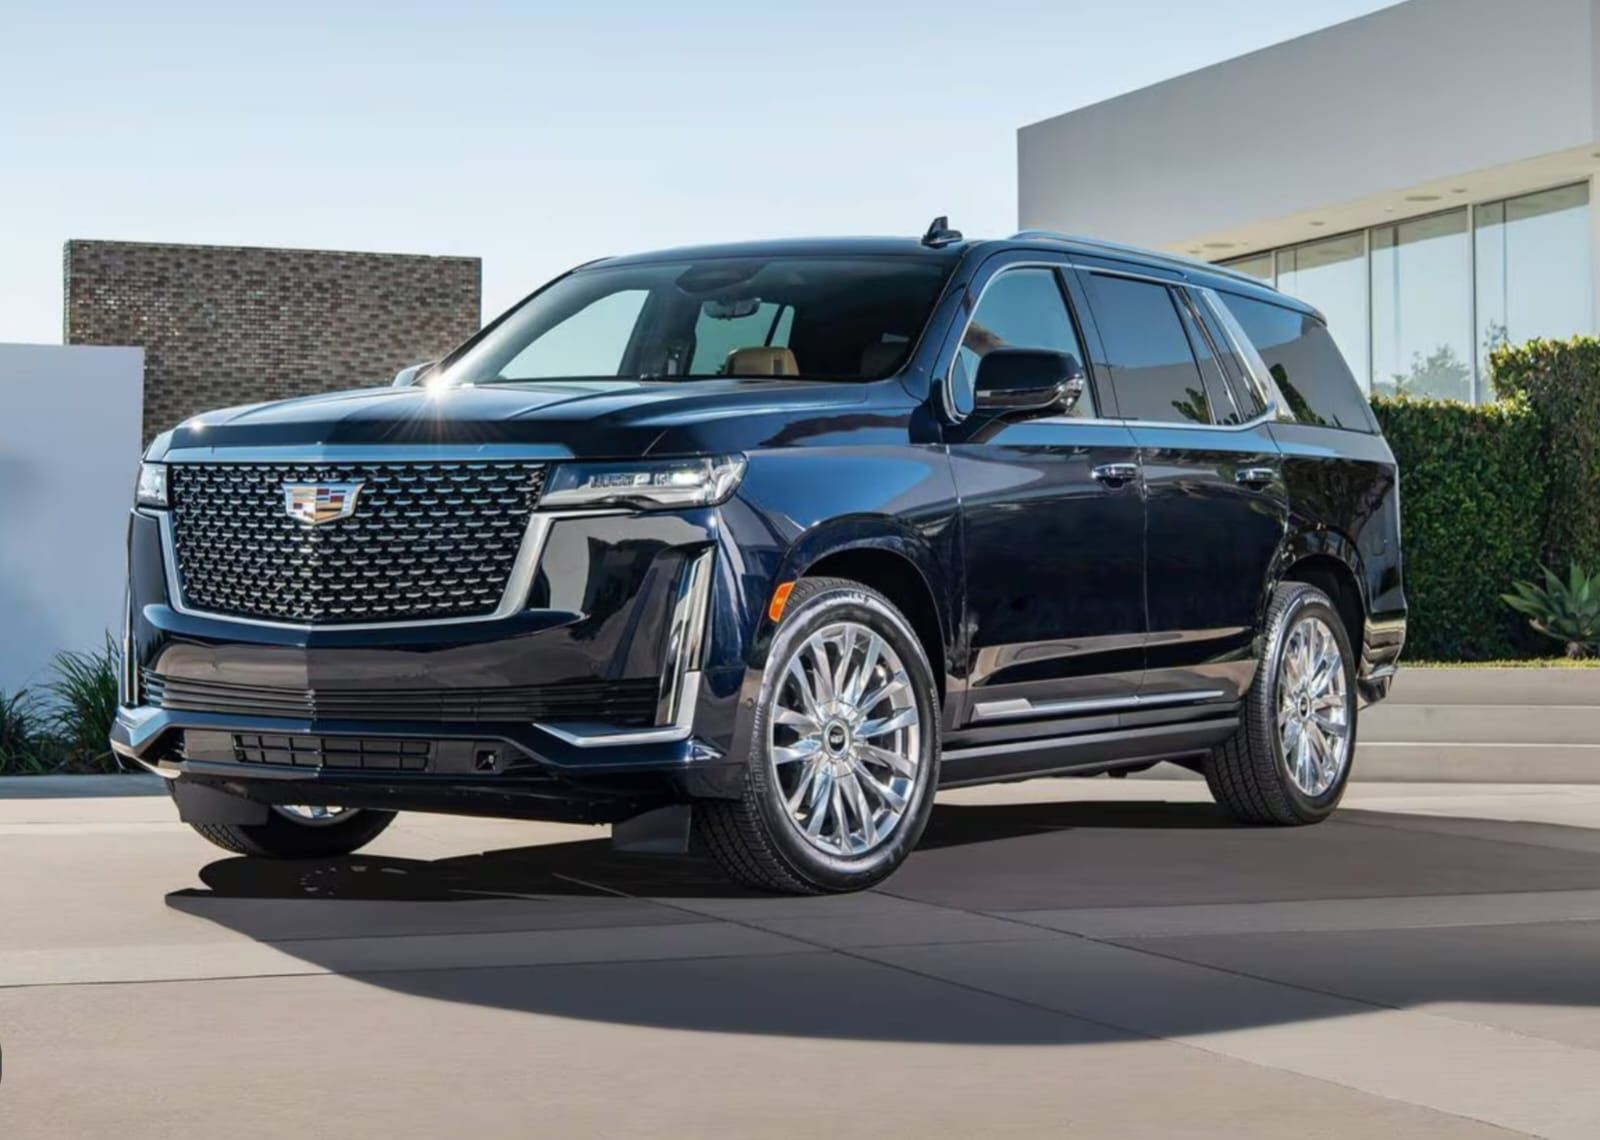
(625, 704)
(426, 541)
(348, 752)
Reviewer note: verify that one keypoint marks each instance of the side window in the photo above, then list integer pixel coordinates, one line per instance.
(1022, 308)
(588, 344)
(1152, 363)
(720, 328)
(1218, 394)
(1301, 355)
(1242, 386)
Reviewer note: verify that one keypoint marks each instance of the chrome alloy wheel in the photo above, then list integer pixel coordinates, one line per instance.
(1313, 707)
(845, 739)
(313, 815)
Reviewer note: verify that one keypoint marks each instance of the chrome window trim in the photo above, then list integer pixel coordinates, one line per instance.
(947, 385)
(1248, 358)
(1023, 708)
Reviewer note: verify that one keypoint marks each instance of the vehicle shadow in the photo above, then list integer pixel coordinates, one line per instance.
(581, 931)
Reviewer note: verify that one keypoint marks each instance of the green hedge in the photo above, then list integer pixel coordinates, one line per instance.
(1473, 490)
(1560, 380)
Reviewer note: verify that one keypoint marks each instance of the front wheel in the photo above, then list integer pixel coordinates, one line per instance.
(299, 831)
(1290, 759)
(844, 754)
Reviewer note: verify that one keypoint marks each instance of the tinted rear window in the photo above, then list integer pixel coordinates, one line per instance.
(1303, 359)
(1153, 366)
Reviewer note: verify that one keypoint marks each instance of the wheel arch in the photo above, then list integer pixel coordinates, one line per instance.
(1329, 561)
(884, 568)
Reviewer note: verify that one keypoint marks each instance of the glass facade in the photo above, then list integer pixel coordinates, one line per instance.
(1415, 305)
(1422, 308)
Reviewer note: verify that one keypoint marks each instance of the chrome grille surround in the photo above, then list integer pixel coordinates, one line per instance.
(430, 541)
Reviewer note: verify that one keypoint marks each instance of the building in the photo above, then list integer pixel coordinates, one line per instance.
(69, 451)
(225, 325)
(1424, 175)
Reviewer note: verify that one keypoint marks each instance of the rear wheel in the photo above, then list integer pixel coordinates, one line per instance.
(844, 754)
(299, 831)
(1290, 759)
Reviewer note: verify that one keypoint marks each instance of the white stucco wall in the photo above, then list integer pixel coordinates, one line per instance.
(1426, 90)
(69, 447)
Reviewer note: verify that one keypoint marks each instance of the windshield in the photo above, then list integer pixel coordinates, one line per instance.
(812, 318)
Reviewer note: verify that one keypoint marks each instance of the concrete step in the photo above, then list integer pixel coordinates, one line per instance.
(1392, 722)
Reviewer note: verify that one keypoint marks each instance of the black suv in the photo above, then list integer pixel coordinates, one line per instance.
(755, 546)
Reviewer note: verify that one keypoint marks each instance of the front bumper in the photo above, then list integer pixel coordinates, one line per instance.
(616, 600)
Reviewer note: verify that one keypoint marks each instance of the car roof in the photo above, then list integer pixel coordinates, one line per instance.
(800, 247)
(1193, 271)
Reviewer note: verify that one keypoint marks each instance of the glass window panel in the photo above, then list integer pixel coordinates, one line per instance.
(1153, 366)
(1021, 308)
(1534, 273)
(1332, 276)
(589, 343)
(717, 335)
(1257, 265)
(1422, 335)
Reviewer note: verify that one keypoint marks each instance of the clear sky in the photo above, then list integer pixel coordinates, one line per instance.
(540, 135)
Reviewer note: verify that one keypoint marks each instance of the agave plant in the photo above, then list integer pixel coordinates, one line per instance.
(85, 691)
(25, 743)
(1567, 611)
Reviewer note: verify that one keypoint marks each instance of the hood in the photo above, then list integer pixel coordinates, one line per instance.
(601, 419)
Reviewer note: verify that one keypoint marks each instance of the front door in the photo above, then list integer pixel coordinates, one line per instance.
(1217, 507)
(1053, 526)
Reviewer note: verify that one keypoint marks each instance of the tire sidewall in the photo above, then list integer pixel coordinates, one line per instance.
(1303, 602)
(807, 614)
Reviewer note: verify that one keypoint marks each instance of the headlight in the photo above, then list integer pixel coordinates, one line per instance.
(152, 490)
(665, 483)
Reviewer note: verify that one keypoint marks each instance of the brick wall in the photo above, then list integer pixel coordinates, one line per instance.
(225, 325)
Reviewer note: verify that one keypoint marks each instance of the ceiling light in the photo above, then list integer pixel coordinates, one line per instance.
(1219, 245)
(1459, 190)
(1318, 224)
(1422, 197)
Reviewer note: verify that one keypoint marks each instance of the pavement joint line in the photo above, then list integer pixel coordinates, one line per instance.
(1375, 1006)
(1465, 819)
(1124, 1030)
(328, 972)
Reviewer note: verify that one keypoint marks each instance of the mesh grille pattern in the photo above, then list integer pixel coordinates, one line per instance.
(426, 541)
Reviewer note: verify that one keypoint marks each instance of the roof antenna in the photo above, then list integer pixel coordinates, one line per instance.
(940, 234)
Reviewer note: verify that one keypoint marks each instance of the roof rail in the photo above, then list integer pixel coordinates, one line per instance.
(1140, 252)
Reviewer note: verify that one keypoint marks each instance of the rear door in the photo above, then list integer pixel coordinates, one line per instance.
(1216, 506)
(1053, 523)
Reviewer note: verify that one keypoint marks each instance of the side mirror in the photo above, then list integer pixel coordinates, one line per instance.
(412, 375)
(1026, 379)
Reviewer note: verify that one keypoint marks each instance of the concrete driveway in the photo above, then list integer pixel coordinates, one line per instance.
(1093, 957)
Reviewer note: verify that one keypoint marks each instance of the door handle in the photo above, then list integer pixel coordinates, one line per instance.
(1116, 474)
(1255, 476)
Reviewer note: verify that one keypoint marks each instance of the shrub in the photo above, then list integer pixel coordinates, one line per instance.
(24, 743)
(1472, 495)
(1560, 380)
(85, 691)
(1567, 611)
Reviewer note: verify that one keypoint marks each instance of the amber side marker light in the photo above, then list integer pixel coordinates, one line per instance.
(780, 598)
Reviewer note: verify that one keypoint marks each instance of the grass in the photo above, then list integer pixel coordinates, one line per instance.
(65, 725)
(84, 689)
(24, 739)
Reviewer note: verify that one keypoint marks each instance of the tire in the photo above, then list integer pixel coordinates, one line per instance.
(1259, 775)
(847, 843)
(284, 837)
